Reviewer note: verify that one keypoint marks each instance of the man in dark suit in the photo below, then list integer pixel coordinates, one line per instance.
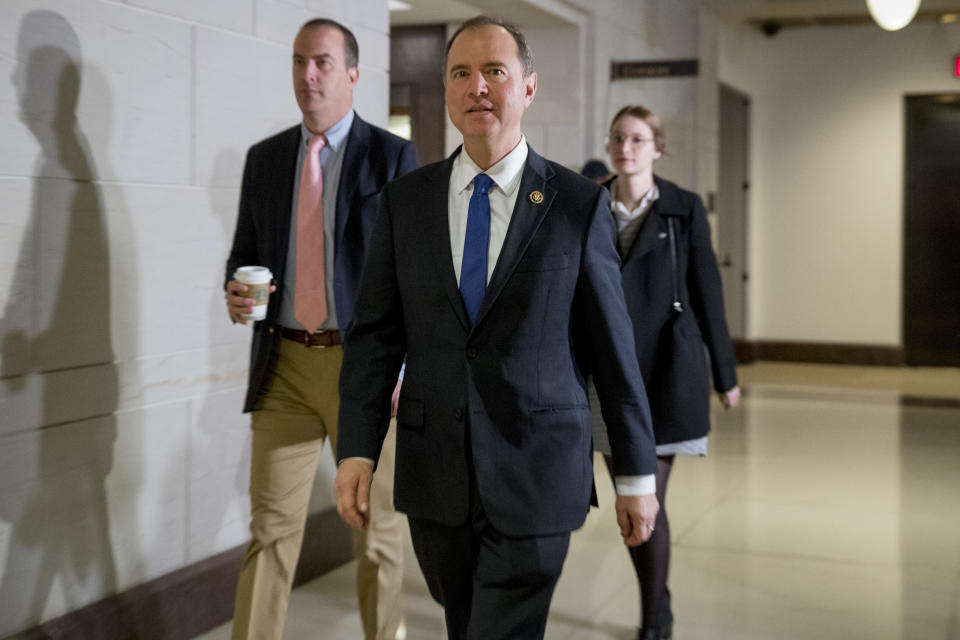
(494, 460)
(307, 207)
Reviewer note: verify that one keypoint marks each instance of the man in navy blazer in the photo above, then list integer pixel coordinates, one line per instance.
(494, 454)
(292, 390)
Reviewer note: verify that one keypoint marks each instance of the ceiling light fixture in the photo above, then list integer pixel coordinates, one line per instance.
(948, 18)
(893, 14)
(398, 5)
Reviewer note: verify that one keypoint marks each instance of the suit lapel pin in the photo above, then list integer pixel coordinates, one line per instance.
(536, 197)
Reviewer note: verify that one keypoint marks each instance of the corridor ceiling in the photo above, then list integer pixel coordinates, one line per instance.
(785, 13)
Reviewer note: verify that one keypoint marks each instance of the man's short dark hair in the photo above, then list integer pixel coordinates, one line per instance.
(351, 51)
(523, 51)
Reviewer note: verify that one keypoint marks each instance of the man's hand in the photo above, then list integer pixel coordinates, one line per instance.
(352, 488)
(730, 398)
(237, 304)
(636, 516)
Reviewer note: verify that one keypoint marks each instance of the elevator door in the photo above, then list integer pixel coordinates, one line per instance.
(931, 231)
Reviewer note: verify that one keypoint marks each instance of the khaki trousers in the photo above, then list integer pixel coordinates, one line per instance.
(289, 425)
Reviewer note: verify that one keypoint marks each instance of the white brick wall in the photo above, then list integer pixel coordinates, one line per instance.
(123, 128)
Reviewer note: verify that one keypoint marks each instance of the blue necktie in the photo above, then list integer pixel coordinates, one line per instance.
(473, 273)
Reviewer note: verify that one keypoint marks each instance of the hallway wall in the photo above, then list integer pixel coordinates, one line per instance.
(826, 207)
(656, 30)
(124, 125)
(650, 30)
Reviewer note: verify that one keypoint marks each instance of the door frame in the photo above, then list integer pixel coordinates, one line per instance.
(724, 258)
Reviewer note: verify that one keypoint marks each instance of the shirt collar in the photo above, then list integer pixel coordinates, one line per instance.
(335, 135)
(505, 174)
(646, 202)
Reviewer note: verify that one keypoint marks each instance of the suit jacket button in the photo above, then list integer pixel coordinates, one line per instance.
(472, 353)
(459, 413)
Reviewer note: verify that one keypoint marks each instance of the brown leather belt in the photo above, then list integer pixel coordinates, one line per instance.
(320, 339)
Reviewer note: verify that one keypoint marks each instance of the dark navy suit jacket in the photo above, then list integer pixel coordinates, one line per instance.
(372, 158)
(506, 396)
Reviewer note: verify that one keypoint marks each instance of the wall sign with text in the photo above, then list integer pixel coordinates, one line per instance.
(653, 69)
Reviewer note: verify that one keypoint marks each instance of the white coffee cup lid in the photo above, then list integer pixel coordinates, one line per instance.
(253, 275)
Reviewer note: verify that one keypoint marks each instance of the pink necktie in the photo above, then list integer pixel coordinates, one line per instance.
(310, 294)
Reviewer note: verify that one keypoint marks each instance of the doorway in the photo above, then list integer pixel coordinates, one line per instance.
(733, 187)
(931, 231)
(416, 87)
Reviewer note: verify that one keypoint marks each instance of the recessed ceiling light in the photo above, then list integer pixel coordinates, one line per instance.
(399, 5)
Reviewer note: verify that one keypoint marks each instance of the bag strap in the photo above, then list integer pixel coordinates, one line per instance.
(673, 263)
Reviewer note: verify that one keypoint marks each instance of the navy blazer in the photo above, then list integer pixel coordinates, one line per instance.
(670, 345)
(506, 396)
(371, 159)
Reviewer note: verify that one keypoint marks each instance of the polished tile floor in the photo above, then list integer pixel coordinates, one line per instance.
(827, 509)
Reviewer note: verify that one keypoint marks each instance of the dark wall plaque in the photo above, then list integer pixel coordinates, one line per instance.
(653, 69)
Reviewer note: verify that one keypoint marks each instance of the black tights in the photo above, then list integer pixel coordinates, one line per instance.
(651, 560)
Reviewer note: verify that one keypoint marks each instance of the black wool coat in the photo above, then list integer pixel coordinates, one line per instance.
(670, 345)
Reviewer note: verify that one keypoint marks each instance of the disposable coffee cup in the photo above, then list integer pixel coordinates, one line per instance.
(257, 280)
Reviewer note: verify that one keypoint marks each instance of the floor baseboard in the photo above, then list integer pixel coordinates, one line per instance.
(821, 352)
(195, 598)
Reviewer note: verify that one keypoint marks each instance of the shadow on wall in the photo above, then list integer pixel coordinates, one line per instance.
(57, 353)
(220, 443)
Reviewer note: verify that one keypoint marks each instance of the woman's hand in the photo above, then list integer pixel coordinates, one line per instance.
(730, 398)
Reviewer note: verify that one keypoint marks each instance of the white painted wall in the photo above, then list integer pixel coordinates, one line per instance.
(826, 207)
(123, 452)
(627, 30)
(553, 123)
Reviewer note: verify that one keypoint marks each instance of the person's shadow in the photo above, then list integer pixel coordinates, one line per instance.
(220, 437)
(57, 353)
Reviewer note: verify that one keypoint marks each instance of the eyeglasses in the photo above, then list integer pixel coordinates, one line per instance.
(619, 140)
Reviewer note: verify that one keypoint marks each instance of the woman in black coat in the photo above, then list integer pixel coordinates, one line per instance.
(672, 287)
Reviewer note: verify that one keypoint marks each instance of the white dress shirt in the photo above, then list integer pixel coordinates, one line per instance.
(629, 221)
(506, 176)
